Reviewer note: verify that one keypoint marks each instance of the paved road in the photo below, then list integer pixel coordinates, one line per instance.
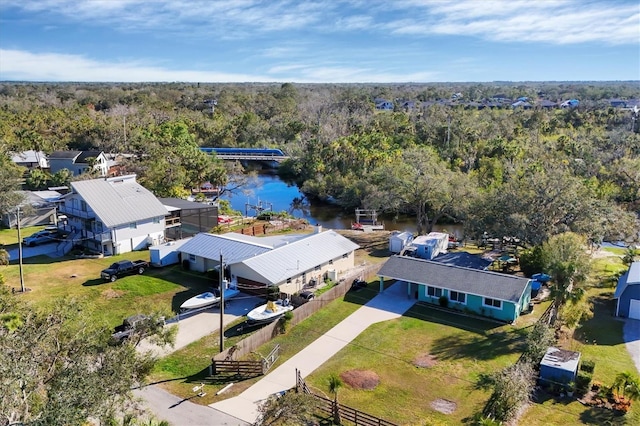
(178, 411)
(631, 335)
(386, 306)
(191, 328)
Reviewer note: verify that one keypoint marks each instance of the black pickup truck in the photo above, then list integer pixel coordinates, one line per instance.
(124, 267)
(132, 324)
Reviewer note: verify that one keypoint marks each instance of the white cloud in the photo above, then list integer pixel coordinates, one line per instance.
(21, 65)
(549, 21)
(27, 66)
(554, 22)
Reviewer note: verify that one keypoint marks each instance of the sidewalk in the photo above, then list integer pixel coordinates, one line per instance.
(386, 306)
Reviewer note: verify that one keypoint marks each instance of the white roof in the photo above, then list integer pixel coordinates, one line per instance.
(561, 359)
(30, 156)
(119, 200)
(233, 250)
(302, 255)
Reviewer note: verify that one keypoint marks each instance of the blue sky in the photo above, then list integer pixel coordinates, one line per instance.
(320, 41)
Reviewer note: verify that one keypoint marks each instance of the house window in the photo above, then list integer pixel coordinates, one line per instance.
(344, 256)
(98, 226)
(317, 268)
(456, 296)
(83, 205)
(192, 258)
(434, 291)
(331, 262)
(288, 280)
(493, 303)
(133, 225)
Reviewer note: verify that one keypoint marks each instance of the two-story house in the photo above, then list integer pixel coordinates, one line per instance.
(79, 162)
(113, 215)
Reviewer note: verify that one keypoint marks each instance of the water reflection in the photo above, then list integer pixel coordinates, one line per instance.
(270, 190)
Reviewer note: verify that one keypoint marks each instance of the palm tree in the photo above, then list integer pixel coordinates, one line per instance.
(334, 384)
(569, 265)
(627, 385)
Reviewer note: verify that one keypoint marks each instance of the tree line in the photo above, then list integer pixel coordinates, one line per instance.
(523, 173)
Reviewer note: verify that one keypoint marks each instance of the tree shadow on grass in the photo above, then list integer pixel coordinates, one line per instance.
(603, 328)
(602, 416)
(477, 346)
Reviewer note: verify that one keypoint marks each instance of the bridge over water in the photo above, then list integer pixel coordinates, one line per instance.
(247, 154)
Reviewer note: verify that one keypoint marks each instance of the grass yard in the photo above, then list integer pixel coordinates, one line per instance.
(156, 290)
(598, 339)
(179, 371)
(9, 237)
(462, 350)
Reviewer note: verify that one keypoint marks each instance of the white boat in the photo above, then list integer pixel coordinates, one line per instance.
(269, 311)
(209, 298)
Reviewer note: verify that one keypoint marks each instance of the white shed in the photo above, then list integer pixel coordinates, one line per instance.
(399, 240)
(166, 254)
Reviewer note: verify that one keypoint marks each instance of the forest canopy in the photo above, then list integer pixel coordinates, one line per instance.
(530, 173)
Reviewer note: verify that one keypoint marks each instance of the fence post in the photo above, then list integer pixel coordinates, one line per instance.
(212, 367)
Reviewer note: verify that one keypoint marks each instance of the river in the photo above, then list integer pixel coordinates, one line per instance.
(271, 191)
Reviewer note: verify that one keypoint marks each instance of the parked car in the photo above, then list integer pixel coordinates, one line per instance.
(122, 268)
(131, 324)
(41, 237)
(307, 295)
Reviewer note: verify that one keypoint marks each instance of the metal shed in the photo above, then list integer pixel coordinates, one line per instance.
(166, 254)
(559, 365)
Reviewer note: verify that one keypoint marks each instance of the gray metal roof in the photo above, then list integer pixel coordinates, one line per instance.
(631, 277)
(299, 256)
(180, 204)
(119, 200)
(481, 283)
(210, 246)
(64, 155)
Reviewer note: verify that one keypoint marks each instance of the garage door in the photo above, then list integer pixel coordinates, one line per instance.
(634, 309)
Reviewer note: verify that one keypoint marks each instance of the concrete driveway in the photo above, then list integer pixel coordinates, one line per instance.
(631, 336)
(390, 304)
(192, 327)
(48, 249)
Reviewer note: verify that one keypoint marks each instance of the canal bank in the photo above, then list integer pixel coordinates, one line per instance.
(271, 192)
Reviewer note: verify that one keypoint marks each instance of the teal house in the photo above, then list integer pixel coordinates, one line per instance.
(491, 294)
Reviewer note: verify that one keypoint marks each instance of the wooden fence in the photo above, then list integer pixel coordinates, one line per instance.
(268, 332)
(269, 228)
(349, 414)
(244, 368)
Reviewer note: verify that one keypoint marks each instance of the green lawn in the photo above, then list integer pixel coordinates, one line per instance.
(179, 371)
(464, 349)
(9, 237)
(156, 290)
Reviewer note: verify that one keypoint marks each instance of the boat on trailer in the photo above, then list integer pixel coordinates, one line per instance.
(209, 298)
(269, 312)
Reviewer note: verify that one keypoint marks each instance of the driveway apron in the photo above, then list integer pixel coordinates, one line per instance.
(631, 335)
(390, 304)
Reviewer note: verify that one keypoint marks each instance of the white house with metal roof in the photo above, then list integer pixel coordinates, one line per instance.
(113, 215)
(491, 294)
(286, 261)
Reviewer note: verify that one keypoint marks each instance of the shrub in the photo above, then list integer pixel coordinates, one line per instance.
(443, 301)
(588, 366)
(532, 261)
(583, 382)
(513, 387)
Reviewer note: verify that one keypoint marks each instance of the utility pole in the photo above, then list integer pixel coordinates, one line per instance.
(20, 249)
(221, 288)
